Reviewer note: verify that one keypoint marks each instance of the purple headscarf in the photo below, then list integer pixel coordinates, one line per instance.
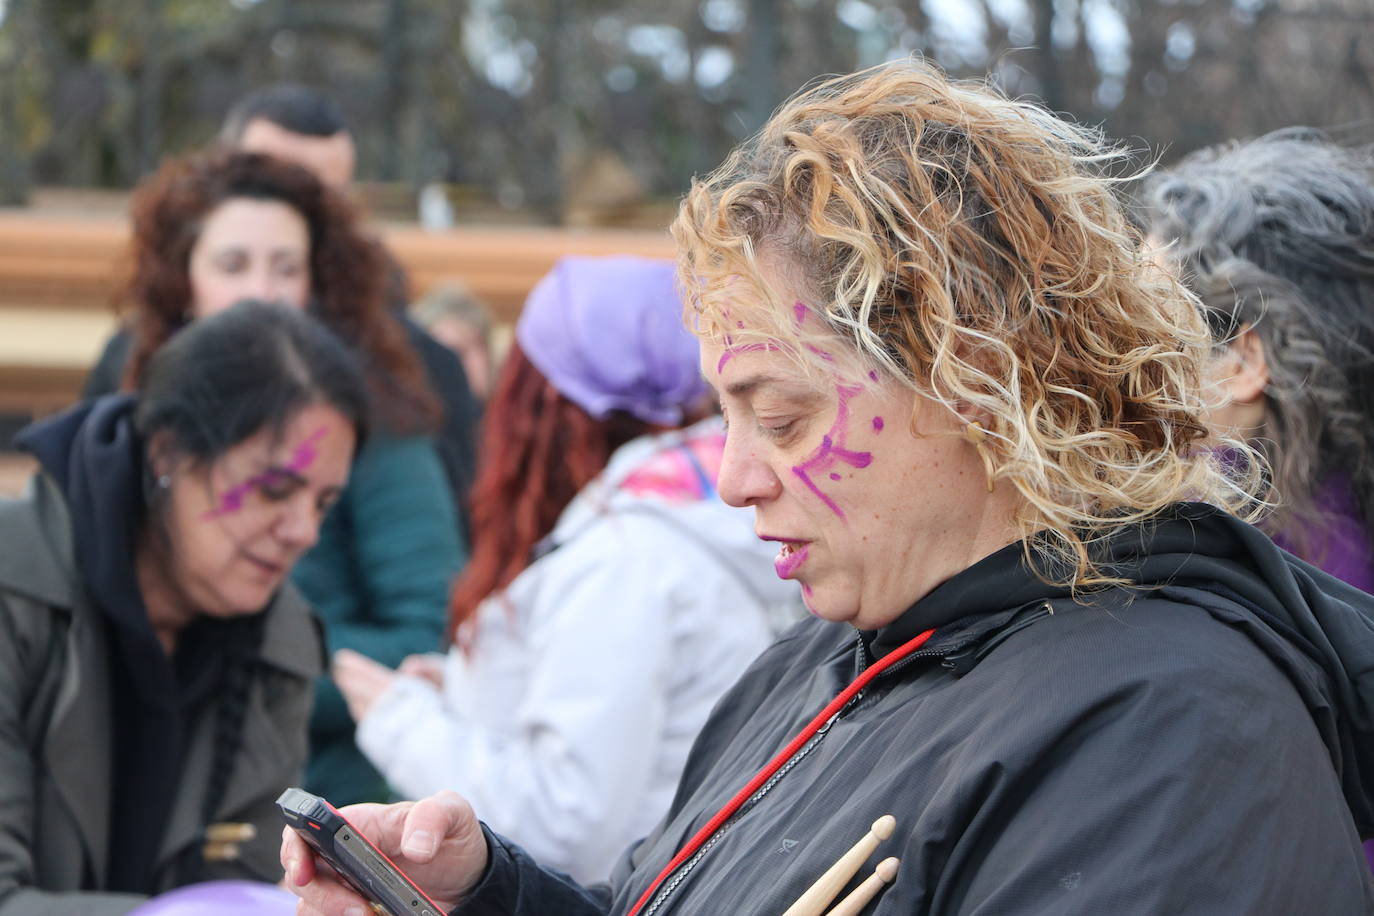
(608, 334)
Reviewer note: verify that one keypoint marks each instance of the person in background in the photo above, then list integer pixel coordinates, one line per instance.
(157, 668)
(456, 318)
(301, 125)
(1282, 259)
(967, 408)
(214, 227)
(611, 598)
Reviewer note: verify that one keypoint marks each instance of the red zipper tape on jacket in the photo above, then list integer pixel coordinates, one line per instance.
(805, 735)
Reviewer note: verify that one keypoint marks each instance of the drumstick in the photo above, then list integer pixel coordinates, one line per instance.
(821, 894)
(861, 895)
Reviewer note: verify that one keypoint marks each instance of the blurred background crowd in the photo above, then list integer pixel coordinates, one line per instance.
(472, 198)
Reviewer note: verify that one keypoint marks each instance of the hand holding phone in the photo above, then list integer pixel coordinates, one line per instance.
(370, 865)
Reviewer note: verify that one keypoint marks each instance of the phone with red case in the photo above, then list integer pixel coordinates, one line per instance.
(366, 869)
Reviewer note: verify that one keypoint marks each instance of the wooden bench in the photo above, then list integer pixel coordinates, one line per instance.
(59, 277)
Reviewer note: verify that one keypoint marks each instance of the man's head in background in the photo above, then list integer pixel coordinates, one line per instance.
(295, 123)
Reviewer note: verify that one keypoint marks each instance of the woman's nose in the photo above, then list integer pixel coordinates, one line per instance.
(746, 479)
(299, 525)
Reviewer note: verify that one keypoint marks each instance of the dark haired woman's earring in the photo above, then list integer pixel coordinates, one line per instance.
(164, 481)
(975, 434)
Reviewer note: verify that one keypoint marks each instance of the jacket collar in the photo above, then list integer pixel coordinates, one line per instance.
(971, 602)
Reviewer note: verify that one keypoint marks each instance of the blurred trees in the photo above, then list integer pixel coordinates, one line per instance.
(521, 99)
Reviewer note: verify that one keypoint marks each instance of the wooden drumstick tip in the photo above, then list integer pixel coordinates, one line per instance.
(862, 895)
(820, 895)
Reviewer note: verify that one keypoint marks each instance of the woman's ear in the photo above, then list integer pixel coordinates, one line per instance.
(161, 455)
(1243, 371)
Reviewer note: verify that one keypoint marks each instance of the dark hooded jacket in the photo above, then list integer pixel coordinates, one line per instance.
(111, 761)
(1202, 743)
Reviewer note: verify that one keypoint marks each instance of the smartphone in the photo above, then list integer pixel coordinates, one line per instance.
(353, 856)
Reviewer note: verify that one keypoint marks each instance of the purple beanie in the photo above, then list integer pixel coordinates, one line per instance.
(608, 334)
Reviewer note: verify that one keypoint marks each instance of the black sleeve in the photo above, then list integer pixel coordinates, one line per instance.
(516, 885)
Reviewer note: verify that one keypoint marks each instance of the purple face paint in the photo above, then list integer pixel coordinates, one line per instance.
(877, 424)
(301, 459)
(742, 348)
(873, 377)
(821, 353)
(832, 451)
(799, 311)
(834, 476)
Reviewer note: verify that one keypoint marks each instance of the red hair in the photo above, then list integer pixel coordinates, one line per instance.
(348, 271)
(538, 450)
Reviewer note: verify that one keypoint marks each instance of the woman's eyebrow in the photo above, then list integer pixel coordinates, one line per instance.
(750, 384)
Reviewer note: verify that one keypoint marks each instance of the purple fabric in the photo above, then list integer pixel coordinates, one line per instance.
(221, 898)
(1342, 547)
(608, 333)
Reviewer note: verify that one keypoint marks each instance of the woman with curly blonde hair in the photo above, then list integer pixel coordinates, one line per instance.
(968, 407)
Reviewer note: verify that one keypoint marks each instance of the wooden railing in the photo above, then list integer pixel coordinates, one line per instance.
(59, 277)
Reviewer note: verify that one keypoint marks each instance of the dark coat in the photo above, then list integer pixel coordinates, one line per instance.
(55, 729)
(1203, 744)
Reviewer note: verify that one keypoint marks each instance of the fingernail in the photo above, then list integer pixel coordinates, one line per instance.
(355, 911)
(420, 845)
(293, 868)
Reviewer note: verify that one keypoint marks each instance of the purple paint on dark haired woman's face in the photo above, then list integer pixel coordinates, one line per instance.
(302, 457)
(239, 523)
(877, 424)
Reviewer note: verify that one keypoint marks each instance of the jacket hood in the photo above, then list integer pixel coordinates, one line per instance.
(1317, 630)
(671, 476)
(94, 456)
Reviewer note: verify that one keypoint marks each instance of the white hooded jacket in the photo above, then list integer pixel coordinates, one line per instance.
(568, 725)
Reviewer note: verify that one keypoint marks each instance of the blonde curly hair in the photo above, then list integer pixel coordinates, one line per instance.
(973, 248)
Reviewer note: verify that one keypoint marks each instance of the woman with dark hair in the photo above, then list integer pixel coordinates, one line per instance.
(1282, 259)
(611, 593)
(1051, 668)
(215, 227)
(156, 668)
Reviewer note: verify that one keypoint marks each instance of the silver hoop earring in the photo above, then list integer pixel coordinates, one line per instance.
(164, 481)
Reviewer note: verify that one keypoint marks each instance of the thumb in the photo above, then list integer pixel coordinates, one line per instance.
(432, 820)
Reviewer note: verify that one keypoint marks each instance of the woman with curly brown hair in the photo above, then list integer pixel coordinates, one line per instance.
(213, 228)
(968, 409)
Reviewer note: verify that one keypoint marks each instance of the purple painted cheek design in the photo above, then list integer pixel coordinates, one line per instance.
(877, 424)
(873, 376)
(799, 310)
(301, 459)
(832, 452)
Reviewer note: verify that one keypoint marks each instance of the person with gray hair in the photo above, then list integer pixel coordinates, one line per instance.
(1282, 258)
(1276, 237)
